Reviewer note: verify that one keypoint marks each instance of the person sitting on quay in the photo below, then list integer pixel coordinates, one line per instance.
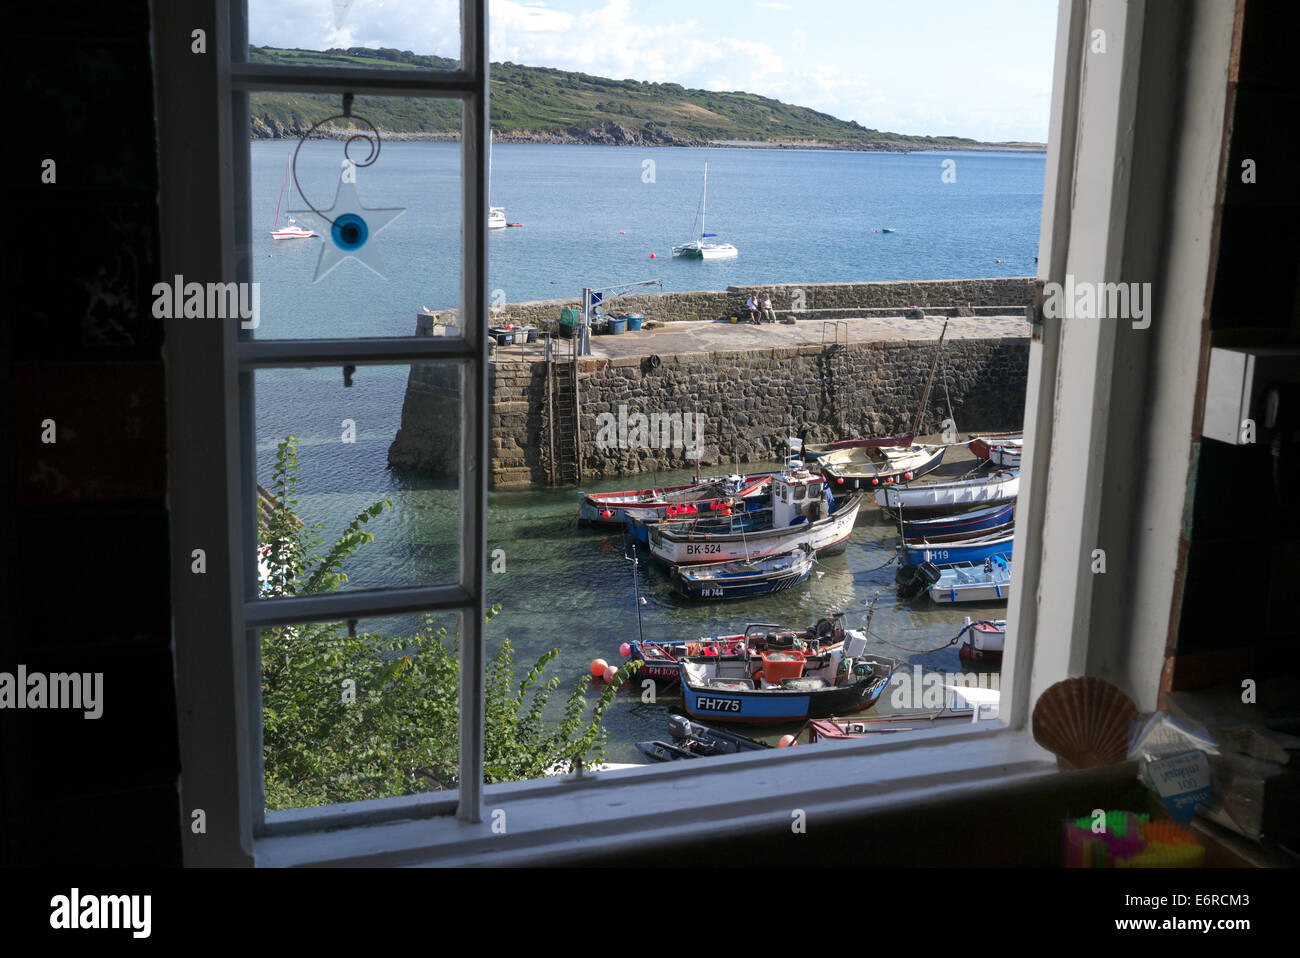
(768, 312)
(752, 306)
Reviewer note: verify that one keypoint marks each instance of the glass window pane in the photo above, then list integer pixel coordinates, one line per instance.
(342, 34)
(345, 251)
(358, 712)
(359, 484)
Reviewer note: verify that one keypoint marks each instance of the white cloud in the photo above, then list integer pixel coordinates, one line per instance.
(774, 5)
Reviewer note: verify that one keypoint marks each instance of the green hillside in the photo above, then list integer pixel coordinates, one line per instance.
(540, 103)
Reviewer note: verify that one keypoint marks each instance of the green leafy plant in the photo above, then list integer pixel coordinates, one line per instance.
(349, 715)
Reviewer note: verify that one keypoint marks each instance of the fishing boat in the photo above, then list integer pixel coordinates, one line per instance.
(610, 508)
(660, 658)
(984, 640)
(814, 452)
(989, 581)
(863, 466)
(1006, 454)
(979, 443)
(781, 686)
(745, 578)
(944, 498)
(804, 512)
(700, 249)
(723, 516)
(978, 520)
(867, 466)
(950, 553)
(291, 229)
(694, 740)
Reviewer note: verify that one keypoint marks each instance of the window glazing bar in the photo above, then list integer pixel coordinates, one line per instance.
(287, 78)
(361, 604)
(254, 353)
(474, 403)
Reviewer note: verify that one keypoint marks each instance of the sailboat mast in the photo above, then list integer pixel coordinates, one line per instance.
(925, 396)
(280, 198)
(704, 205)
(489, 169)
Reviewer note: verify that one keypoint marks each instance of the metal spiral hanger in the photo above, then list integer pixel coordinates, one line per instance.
(374, 144)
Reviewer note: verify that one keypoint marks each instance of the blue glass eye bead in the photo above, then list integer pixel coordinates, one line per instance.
(349, 232)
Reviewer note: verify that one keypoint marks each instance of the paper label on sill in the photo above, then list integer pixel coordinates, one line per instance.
(1182, 781)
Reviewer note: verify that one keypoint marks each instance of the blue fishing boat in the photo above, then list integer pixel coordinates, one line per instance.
(738, 689)
(981, 520)
(950, 553)
(743, 578)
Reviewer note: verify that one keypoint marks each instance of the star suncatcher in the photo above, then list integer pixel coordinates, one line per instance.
(353, 231)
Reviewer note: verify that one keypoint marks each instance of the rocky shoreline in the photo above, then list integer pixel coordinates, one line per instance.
(615, 134)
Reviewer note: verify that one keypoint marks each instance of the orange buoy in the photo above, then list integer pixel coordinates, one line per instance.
(598, 667)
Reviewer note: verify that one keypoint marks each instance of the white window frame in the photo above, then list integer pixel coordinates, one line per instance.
(1123, 171)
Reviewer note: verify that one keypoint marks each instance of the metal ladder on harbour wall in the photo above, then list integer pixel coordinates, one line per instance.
(563, 407)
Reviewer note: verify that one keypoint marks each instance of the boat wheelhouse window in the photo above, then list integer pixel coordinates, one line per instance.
(799, 492)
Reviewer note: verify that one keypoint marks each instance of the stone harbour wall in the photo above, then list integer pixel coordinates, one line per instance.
(751, 402)
(787, 297)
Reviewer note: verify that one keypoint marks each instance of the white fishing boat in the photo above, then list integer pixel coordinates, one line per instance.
(988, 581)
(984, 640)
(979, 442)
(700, 249)
(804, 513)
(291, 229)
(936, 498)
(1006, 454)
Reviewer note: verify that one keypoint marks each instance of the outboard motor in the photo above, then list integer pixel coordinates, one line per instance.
(912, 580)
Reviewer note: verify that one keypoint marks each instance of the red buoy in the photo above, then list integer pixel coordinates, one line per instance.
(652, 255)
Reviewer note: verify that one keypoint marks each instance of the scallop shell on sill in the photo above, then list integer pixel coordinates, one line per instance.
(1084, 722)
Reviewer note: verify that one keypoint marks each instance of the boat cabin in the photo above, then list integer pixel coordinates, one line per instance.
(799, 496)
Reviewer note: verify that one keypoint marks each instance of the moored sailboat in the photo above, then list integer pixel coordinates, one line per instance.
(699, 249)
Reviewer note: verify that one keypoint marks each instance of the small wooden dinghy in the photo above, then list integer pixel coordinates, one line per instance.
(865, 467)
(835, 729)
(979, 443)
(816, 451)
(984, 641)
(744, 578)
(1006, 455)
(945, 498)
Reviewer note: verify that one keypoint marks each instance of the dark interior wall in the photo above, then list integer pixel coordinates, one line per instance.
(1243, 549)
(88, 585)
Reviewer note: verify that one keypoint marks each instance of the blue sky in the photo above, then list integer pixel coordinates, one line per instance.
(979, 68)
